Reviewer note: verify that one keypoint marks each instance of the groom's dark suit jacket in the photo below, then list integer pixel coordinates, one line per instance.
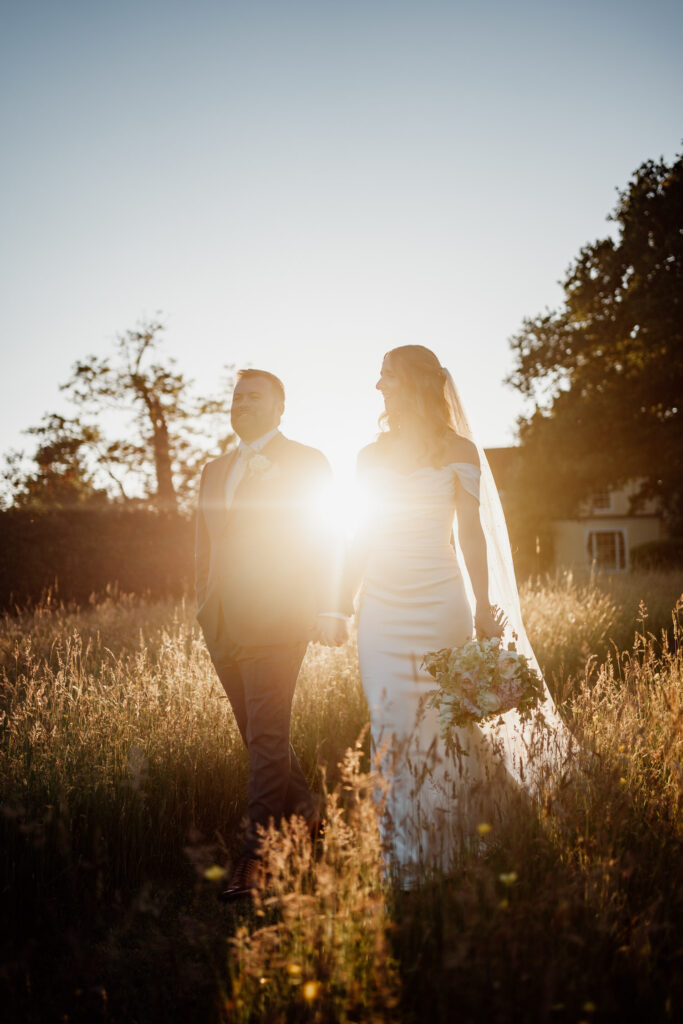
(264, 568)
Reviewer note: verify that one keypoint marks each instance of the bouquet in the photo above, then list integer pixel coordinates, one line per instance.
(480, 680)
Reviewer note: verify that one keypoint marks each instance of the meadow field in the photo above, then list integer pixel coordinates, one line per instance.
(123, 784)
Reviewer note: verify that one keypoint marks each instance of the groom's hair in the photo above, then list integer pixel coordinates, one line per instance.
(275, 382)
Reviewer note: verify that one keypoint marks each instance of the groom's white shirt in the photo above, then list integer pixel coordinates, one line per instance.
(239, 466)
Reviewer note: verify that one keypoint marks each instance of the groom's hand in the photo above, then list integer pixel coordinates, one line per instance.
(332, 631)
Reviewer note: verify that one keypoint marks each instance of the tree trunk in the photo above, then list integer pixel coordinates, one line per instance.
(166, 497)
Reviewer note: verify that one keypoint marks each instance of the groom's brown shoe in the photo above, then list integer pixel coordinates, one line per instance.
(315, 826)
(246, 878)
(315, 822)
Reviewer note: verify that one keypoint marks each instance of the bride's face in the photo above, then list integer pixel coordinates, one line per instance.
(389, 386)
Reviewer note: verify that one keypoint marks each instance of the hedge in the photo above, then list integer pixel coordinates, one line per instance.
(658, 554)
(82, 552)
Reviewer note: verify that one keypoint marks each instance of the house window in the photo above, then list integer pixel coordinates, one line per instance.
(602, 500)
(607, 549)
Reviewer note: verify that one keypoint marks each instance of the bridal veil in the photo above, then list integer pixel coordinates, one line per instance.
(533, 750)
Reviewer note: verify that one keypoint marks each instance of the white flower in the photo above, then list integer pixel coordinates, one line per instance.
(259, 464)
(508, 665)
(489, 701)
(261, 467)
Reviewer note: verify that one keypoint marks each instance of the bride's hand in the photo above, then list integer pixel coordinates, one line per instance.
(486, 625)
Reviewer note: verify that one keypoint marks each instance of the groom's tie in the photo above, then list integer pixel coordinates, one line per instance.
(236, 473)
(239, 467)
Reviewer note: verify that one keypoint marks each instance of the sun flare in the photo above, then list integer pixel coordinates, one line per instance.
(338, 506)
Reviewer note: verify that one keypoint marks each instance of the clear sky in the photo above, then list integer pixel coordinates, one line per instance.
(301, 186)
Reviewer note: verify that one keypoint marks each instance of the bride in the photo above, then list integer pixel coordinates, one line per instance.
(424, 483)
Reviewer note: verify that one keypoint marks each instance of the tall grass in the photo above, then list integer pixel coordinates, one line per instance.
(326, 953)
(123, 782)
(574, 621)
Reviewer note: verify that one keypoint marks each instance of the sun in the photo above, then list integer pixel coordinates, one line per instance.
(337, 506)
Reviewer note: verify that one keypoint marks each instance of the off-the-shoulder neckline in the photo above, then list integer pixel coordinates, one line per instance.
(423, 469)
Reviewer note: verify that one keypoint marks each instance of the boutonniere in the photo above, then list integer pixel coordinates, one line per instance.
(261, 467)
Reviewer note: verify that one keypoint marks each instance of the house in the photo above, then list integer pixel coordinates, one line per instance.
(605, 531)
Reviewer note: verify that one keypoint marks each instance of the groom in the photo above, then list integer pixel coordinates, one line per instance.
(264, 579)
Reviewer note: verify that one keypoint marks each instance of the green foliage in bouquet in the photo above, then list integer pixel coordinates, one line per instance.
(480, 680)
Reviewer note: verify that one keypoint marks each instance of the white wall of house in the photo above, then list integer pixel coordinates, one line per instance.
(617, 503)
(603, 536)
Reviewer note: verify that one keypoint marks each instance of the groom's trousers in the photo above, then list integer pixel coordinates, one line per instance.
(259, 683)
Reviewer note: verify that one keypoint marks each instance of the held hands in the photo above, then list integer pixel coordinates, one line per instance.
(331, 631)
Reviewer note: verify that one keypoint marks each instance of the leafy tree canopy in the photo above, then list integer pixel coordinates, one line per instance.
(60, 475)
(139, 434)
(606, 370)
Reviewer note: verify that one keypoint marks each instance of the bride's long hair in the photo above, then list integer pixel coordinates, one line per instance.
(423, 400)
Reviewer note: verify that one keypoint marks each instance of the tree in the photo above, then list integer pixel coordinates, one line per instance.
(173, 430)
(606, 370)
(60, 476)
(158, 448)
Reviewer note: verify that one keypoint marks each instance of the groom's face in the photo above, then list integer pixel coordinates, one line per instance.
(256, 408)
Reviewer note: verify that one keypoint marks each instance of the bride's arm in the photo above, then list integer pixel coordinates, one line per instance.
(473, 546)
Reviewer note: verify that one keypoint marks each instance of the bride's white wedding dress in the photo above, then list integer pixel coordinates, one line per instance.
(414, 599)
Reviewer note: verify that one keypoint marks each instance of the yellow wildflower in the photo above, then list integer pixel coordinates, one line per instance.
(214, 873)
(310, 990)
